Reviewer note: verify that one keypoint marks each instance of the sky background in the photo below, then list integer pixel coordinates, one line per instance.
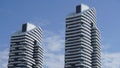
(50, 15)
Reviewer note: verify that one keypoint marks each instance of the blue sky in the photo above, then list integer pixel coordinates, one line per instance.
(50, 15)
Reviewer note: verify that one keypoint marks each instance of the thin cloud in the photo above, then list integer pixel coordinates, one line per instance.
(111, 60)
(54, 43)
(4, 58)
(54, 46)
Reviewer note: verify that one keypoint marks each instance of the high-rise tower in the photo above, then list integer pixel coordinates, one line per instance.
(25, 48)
(82, 39)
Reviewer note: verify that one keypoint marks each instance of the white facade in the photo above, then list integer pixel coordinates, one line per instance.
(25, 48)
(82, 44)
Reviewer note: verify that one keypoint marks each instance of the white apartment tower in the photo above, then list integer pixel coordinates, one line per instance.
(82, 39)
(25, 48)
